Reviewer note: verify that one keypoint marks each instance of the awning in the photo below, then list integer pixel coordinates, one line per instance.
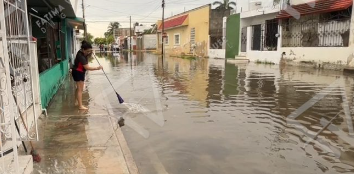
(44, 6)
(315, 7)
(76, 23)
(175, 22)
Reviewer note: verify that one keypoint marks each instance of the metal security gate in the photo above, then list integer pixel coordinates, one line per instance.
(15, 80)
(256, 37)
(244, 39)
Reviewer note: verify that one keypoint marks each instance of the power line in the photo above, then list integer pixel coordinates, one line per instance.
(98, 21)
(158, 6)
(137, 4)
(132, 3)
(182, 1)
(118, 11)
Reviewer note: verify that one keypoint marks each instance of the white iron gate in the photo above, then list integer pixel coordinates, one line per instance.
(16, 86)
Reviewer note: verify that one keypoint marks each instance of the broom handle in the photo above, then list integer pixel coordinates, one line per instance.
(18, 130)
(105, 74)
(23, 120)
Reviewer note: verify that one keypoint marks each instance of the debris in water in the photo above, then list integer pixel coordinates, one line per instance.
(121, 122)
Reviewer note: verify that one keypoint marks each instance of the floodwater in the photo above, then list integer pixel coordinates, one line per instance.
(210, 117)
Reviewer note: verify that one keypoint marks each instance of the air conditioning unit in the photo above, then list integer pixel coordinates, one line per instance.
(258, 3)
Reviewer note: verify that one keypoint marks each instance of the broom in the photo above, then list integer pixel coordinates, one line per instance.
(120, 99)
(34, 153)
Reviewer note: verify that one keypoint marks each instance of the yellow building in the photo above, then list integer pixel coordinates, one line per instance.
(187, 33)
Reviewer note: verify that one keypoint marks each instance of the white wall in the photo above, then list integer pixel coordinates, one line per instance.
(336, 55)
(257, 19)
(216, 53)
(264, 56)
(318, 54)
(261, 11)
(250, 5)
(150, 41)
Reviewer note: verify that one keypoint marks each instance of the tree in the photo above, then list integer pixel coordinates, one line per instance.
(97, 40)
(225, 6)
(111, 27)
(90, 38)
(110, 39)
(100, 40)
(152, 30)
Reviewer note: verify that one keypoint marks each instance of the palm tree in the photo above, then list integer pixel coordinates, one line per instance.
(225, 6)
(111, 27)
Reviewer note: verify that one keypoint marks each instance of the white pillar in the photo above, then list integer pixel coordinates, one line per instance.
(249, 39)
(351, 36)
(280, 36)
(224, 20)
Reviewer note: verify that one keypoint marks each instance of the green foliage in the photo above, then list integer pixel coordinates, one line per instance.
(90, 38)
(111, 27)
(100, 40)
(225, 5)
(110, 39)
(264, 62)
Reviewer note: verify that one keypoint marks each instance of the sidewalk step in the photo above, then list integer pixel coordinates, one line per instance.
(25, 164)
(238, 61)
(241, 58)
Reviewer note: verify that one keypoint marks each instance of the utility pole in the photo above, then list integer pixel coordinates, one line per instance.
(163, 27)
(130, 40)
(83, 15)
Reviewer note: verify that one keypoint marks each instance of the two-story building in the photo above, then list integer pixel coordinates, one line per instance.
(259, 31)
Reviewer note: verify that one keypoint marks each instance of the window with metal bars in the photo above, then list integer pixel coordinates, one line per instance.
(192, 39)
(319, 30)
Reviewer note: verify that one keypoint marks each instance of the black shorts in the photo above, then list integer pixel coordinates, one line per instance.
(78, 76)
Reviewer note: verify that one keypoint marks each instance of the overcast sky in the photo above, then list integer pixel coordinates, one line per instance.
(142, 11)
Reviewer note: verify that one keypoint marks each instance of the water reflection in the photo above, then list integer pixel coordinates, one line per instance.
(230, 81)
(227, 118)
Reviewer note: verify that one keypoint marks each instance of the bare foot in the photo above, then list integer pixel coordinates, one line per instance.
(83, 108)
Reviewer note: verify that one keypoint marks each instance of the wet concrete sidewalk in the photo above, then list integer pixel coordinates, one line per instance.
(73, 141)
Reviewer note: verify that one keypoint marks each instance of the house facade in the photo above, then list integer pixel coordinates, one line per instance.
(54, 25)
(37, 42)
(122, 36)
(186, 33)
(259, 31)
(317, 33)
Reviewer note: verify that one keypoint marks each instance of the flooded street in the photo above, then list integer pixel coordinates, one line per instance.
(211, 117)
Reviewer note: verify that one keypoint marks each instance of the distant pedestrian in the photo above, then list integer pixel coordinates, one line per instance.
(101, 47)
(80, 68)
